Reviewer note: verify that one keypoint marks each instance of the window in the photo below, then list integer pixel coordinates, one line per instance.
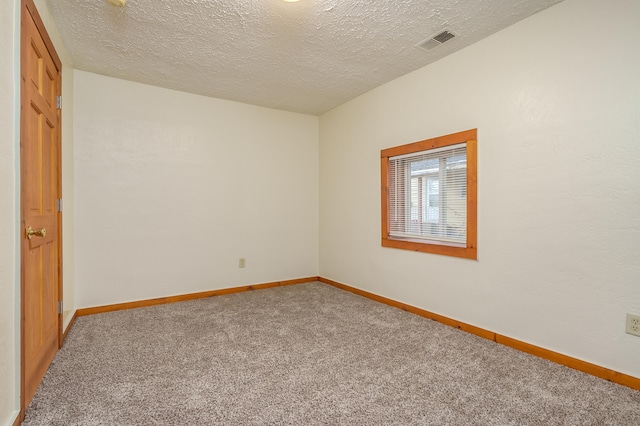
(429, 194)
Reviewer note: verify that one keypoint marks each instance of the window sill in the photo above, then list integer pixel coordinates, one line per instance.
(435, 248)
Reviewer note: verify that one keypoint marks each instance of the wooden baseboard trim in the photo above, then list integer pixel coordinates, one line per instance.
(421, 312)
(18, 421)
(73, 320)
(575, 363)
(558, 358)
(185, 297)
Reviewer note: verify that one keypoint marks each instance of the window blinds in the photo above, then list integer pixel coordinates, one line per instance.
(428, 195)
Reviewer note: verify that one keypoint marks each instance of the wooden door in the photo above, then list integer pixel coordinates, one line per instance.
(40, 189)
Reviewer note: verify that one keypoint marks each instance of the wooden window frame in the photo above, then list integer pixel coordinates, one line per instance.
(470, 250)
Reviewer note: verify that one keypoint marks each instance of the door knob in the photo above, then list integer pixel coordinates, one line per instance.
(37, 232)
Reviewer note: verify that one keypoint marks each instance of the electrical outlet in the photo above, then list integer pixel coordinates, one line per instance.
(242, 263)
(633, 324)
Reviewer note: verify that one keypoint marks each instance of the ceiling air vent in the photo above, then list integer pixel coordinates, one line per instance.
(436, 40)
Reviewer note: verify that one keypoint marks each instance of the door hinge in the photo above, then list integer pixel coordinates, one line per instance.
(59, 102)
(59, 204)
(59, 306)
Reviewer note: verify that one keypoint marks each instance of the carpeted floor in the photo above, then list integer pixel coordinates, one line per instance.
(302, 355)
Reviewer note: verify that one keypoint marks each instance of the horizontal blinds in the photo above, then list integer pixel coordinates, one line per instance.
(428, 195)
(430, 152)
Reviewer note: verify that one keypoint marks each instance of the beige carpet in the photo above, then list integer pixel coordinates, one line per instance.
(302, 355)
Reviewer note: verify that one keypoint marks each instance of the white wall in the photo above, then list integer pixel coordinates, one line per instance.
(556, 100)
(173, 188)
(9, 174)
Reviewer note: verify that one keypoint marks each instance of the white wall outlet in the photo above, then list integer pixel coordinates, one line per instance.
(633, 324)
(242, 262)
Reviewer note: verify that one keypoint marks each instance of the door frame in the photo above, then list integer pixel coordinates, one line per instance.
(28, 10)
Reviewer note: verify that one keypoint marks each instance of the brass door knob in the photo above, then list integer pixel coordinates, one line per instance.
(37, 232)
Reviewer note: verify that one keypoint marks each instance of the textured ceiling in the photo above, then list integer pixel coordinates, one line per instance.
(307, 57)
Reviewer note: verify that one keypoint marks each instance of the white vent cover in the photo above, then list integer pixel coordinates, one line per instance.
(436, 40)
